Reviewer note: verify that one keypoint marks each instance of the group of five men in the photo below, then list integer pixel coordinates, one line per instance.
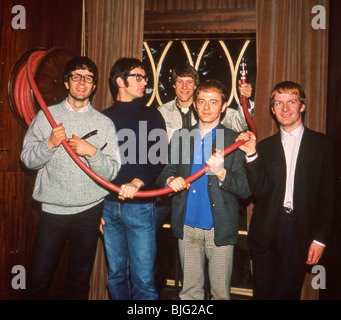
(292, 186)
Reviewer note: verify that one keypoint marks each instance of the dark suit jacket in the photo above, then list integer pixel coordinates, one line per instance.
(314, 189)
(223, 197)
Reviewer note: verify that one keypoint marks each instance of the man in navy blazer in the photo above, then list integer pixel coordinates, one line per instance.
(292, 177)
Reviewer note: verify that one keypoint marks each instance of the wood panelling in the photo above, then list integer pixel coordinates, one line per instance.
(181, 17)
(18, 219)
(211, 21)
(49, 24)
(160, 5)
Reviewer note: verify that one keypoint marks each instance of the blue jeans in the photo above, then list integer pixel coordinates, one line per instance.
(130, 245)
(163, 209)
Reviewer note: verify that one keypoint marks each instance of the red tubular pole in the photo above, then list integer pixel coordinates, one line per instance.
(22, 93)
(17, 93)
(96, 177)
(244, 102)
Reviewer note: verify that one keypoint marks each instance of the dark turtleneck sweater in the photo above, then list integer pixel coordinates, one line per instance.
(138, 121)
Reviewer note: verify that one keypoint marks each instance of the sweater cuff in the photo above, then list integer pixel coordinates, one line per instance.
(48, 149)
(93, 159)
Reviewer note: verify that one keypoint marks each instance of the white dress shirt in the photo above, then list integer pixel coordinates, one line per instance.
(291, 144)
(69, 107)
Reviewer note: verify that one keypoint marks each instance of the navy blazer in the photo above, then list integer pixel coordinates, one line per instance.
(314, 190)
(223, 196)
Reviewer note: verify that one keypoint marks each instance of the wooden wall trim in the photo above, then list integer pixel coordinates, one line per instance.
(211, 21)
(49, 24)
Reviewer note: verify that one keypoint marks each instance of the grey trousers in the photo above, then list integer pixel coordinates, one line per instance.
(193, 248)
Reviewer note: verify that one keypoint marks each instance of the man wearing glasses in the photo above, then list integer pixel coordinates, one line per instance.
(71, 201)
(129, 222)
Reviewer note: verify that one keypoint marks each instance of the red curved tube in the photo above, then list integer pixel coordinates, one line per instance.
(86, 169)
(17, 92)
(28, 99)
(244, 102)
(22, 92)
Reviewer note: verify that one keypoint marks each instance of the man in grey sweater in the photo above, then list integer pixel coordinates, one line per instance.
(71, 201)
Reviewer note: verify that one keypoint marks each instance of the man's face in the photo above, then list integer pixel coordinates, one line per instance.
(80, 90)
(135, 88)
(184, 89)
(288, 111)
(209, 106)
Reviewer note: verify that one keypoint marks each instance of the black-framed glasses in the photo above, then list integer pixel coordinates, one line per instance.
(76, 77)
(139, 77)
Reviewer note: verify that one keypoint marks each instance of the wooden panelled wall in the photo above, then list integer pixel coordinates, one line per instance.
(183, 18)
(49, 24)
(163, 5)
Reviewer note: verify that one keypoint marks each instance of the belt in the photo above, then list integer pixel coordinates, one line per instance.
(290, 213)
(288, 210)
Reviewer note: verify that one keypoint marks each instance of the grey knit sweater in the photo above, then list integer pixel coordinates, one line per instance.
(61, 185)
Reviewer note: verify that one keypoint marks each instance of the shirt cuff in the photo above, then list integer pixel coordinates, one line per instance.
(250, 159)
(319, 243)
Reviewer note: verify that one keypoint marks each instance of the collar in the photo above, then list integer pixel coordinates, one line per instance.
(129, 106)
(184, 110)
(69, 107)
(297, 133)
(214, 130)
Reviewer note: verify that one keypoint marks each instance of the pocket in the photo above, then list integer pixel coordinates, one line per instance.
(147, 209)
(110, 209)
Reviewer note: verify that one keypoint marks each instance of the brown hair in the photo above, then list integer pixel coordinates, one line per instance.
(288, 87)
(212, 85)
(185, 70)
